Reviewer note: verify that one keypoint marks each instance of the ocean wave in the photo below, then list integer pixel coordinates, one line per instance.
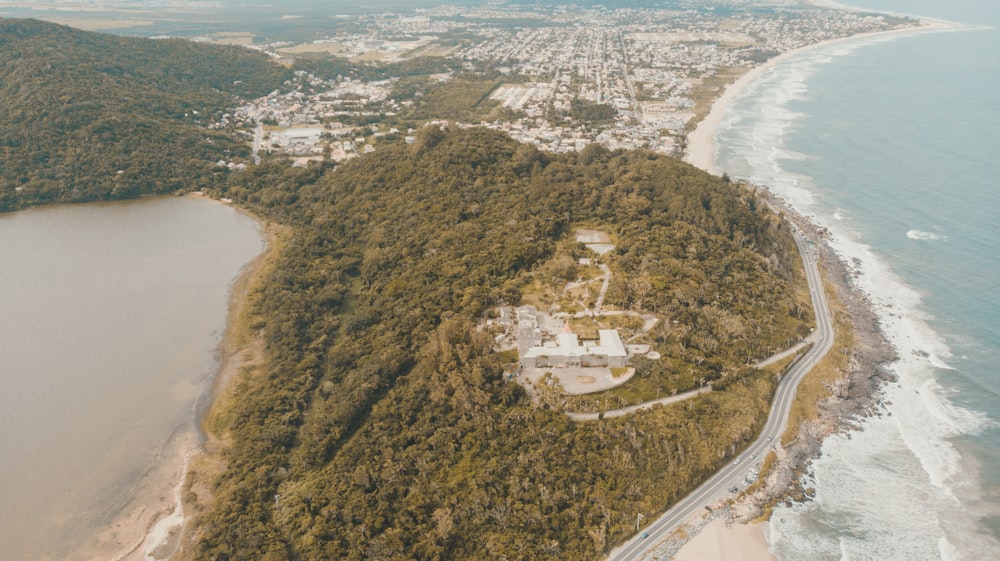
(762, 125)
(921, 235)
(888, 492)
(892, 511)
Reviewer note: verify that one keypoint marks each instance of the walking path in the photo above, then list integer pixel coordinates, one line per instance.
(612, 413)
(649, 322)
(783, 354)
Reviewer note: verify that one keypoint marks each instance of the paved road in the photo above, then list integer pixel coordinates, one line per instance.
(604, 288)
(612, 413)
(717, 487)
(605, 281)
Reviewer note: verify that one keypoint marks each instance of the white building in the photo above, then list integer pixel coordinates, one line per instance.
(568, 352)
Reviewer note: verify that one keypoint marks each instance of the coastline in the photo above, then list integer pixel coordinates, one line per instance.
(161, 526)
(922, 448)
(700, 150)
(154, 525)
(738, 532)
(238, 351)
(859, 394)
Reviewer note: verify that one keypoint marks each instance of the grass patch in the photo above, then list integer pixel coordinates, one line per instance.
(588, 272)
(585, 294)
(461, 99)
(587, 328)
(538, 294)
(629, 324)
(765, 468)
(780, 366)
(508, 356)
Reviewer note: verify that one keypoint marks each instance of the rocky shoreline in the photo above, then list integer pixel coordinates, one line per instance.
(855, 396)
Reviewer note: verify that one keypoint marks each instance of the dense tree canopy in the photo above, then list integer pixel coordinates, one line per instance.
(89, 116)
(381, 421)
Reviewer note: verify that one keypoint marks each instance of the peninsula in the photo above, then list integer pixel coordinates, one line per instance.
(413, 199)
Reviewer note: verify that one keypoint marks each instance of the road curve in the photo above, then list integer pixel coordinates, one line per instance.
(717, 486)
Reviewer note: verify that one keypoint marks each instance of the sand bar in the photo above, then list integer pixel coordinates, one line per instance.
(701, 148)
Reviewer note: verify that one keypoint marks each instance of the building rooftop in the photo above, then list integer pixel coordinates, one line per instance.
(568, 344)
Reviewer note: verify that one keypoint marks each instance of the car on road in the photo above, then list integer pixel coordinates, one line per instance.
(770, 438)
(736, 462)
(645, 535)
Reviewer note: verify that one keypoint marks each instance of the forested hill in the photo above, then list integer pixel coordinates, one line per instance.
(378, 425)
(80, 107)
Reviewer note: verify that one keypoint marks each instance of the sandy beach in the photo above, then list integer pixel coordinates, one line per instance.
(153, 499)
(735, 542)
(701, 148)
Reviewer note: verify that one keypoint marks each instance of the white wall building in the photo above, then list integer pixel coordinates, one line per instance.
(568, 352)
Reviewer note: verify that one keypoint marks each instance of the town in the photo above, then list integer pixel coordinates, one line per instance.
(558, 78)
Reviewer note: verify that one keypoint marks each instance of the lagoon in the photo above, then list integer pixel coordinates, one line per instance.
(111, 315)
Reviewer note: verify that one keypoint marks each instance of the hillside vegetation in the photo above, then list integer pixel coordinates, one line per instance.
(89, 116)
(380, 426)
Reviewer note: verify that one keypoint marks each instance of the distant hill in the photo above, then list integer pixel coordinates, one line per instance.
(90, 116)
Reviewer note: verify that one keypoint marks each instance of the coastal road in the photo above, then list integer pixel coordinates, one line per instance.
(732, 474)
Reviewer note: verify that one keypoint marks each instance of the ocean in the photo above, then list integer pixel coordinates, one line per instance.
(893, 144)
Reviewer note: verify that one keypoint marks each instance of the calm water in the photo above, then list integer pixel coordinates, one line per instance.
(111, 314)
(893, 145)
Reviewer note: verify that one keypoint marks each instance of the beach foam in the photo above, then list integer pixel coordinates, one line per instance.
(921, 235)
(894, 490)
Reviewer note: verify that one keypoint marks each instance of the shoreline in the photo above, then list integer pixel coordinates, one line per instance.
(155, 522)
(859, 394)
(701, 147)
(848, 470)
(164, 529)
(738, 532)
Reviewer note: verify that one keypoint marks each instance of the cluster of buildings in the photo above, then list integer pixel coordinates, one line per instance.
(551, 356)
(561, 348)
(647, 67)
